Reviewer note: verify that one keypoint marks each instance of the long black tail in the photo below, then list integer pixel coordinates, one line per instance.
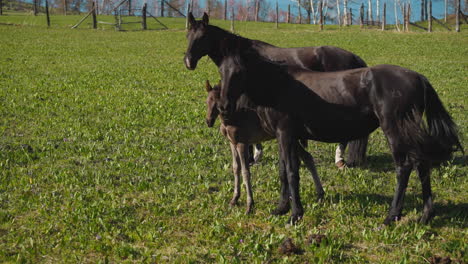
(357, 152)
(434, 137)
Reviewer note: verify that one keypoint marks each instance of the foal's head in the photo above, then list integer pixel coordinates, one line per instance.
(233, 84)
(212, 104)
(198, 41)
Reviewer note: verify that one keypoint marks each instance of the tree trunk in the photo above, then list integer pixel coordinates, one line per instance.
(338, 12)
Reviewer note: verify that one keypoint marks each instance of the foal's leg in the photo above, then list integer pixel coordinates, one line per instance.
(339, 155)
(310, 164)
(424, 173)
(236, 167)
(243, 151)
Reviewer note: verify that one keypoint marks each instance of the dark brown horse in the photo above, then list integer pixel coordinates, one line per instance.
(341, 106)
(242, 129)
(204, 39)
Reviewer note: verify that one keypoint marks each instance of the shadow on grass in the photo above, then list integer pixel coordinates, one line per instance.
(447, 214)
(383, 162)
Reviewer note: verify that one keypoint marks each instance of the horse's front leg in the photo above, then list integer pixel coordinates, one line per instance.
(283, 204)
(288, 154)
(244, 156)
(236, 167)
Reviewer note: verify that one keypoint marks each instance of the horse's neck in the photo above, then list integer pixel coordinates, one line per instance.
(219, 35)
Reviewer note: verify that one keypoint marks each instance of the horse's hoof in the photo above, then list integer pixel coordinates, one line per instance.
(249, 209)
(392, 218)
(320, 197)
(294, 219)
(281, 210)
(341, 165)
(426, 218)
(233, 203)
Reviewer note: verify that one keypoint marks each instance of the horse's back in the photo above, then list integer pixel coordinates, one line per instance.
(316, 58)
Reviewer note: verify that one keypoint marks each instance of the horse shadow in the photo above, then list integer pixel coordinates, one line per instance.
(447, 214)
(383, 162)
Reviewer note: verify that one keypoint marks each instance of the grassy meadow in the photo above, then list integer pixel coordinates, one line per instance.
(105, 156)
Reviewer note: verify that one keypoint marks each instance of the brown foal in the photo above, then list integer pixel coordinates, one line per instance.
(243, 129)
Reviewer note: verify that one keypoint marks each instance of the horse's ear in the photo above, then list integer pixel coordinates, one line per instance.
(205, 18)
(191, 19)
(208, 86)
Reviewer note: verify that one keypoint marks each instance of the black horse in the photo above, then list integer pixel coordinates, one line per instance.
(205, 39)
(341, 106)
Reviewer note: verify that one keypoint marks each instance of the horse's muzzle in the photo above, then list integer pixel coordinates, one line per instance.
(210, 122)
(189, 63)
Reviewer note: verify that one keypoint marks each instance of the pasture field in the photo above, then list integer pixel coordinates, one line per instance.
(105, 156)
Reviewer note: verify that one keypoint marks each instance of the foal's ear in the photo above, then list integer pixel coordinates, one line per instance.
(205, 18)
(191, 19)
(208, 86)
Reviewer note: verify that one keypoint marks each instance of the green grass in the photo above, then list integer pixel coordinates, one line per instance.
(105, 156)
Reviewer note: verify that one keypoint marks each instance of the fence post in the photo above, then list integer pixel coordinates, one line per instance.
(47, 12)
(321, 15)
(422, 10)
(65, 7)
(1, 7)
(93, 12)
(225, 9)
(384, 16)
(425, 9)
(361, 16)
(232, 19)
(404, 17)
(351, 16)
(143, 16)
(162, 8)
(35, 7)
(129, 7)
(289, 14)
(429, 18)
(277, 14)
(457, 16)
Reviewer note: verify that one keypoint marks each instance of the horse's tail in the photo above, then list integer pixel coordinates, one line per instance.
(434, 137)
(357, 152)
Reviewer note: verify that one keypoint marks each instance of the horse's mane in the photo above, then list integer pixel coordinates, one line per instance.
(230, 35)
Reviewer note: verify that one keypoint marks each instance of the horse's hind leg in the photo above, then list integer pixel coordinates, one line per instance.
(258, 152)
(244, 154)
(424, 173)
(236, 167)
(310, 164)
(403, 169)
